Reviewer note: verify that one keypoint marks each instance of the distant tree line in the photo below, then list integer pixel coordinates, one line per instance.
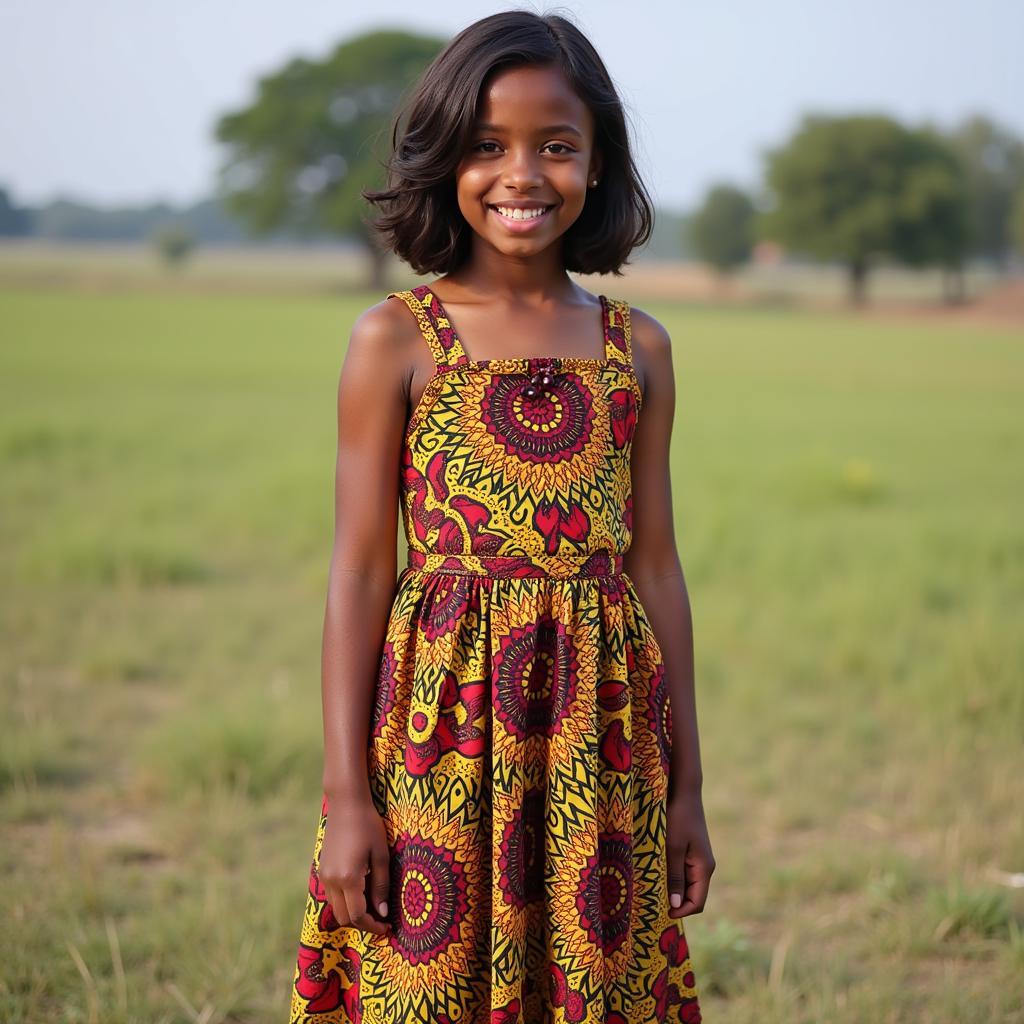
(850, 190)
(855, 190)
(859, 190)
(206, 221)
(209, 222)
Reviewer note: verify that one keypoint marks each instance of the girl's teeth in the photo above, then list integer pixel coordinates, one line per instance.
(519, 214)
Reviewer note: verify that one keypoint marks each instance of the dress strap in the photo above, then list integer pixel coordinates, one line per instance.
(434, 325)
(618, 335)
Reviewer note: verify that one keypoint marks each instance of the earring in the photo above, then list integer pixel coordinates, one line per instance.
(594, 182)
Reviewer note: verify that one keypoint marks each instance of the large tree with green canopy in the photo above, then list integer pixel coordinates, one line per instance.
(856, 188)
(316, 135)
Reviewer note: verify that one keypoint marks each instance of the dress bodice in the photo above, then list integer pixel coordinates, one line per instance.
(520, 467)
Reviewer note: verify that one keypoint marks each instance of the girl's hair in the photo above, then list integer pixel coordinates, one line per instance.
(421, 221)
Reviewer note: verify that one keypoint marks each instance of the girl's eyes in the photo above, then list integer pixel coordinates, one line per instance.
(557, 145)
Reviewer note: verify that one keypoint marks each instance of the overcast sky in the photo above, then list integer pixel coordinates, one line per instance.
(113, 101)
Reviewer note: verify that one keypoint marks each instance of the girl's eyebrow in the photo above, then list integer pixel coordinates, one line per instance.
(487, 126)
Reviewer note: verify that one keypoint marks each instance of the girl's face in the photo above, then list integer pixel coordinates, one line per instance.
(531, 150)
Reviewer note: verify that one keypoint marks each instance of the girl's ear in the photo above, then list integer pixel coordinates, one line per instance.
(596, 163)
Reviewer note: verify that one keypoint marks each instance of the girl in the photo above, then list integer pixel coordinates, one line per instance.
(512, 826)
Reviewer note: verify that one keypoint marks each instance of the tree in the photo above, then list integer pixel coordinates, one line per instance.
(856, 188)
(722, 229)
(301, 153)
(15, 221)
(1017, 222)
(174, 243)
(993, 162)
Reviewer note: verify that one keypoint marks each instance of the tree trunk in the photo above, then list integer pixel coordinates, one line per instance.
(858, 282)
(954, 291)
(378, 268)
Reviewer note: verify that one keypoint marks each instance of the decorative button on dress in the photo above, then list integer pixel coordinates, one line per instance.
(521, 728)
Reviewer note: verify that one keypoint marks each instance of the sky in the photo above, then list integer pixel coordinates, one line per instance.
(114, 101)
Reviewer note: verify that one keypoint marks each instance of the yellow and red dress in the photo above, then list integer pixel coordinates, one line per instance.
(521, 731)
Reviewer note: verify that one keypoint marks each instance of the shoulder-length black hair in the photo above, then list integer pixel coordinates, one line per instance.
(420, 219)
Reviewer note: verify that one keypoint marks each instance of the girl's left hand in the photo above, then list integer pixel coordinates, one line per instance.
(690, 860)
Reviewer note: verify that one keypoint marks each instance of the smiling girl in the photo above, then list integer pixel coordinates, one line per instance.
(511, 828)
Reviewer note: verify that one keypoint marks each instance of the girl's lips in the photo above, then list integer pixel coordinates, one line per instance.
(524, 225)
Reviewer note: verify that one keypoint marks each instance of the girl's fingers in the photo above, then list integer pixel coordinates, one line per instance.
(688, 886)
(676, 862)
(694, 902)
(355, 897)
(336, 898)
(379, 879)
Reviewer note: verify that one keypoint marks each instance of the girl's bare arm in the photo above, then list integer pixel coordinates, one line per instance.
(652, 563)
(354, 865)
(363, 567)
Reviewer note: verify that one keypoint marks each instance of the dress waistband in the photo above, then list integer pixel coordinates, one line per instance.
(599, 563)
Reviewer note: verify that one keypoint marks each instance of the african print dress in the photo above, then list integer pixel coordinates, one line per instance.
(521, 730)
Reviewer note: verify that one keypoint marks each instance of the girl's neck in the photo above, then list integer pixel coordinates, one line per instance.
(504, 278)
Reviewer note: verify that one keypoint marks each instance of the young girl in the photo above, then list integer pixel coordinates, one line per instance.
(512, 825)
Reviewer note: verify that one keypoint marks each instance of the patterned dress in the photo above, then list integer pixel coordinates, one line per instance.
(521, 729)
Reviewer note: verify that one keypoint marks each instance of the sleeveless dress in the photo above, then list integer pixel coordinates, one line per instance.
(521, 729)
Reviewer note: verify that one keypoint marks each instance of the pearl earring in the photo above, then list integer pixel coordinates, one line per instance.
(594, 182)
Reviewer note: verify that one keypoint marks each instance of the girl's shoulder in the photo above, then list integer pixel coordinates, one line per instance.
(386, 326)
(651, 347)
(648, 332)
(386, 343)
(651, 342)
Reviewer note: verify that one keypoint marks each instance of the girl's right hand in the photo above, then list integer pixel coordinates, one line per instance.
(354, 847)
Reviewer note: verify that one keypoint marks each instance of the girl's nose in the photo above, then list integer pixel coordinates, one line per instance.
(521, 172)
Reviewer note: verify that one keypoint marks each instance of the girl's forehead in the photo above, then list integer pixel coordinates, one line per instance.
(530, 95)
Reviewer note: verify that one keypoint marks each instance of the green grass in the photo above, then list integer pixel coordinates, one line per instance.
(849, 509)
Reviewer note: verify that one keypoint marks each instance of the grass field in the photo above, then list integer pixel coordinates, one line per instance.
(850, 516)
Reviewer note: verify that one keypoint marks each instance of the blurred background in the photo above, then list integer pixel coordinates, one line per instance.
(839, 257)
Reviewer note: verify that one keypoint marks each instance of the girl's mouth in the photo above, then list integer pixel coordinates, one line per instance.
(527, 220)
